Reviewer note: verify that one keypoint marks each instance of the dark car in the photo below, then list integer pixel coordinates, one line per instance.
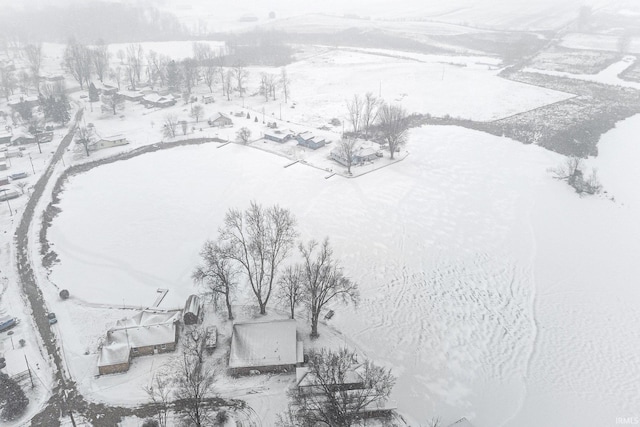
(52, 318)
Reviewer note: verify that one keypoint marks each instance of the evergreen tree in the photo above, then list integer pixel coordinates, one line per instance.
(94, 96)
(60, 110)
(25, 111)
(12, 398)
(173, 75)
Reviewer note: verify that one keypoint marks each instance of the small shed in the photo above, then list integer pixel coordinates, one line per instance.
(21, 137)
(278, 136)
(220, 120)
(193, 311)
(309, 140)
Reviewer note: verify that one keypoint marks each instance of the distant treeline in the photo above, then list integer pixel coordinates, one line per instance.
(111, 22)
(364, 39)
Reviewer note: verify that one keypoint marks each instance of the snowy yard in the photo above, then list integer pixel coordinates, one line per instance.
(480, 286)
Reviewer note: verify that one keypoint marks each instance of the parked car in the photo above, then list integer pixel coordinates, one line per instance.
(19, 175)
(7, 322)
(52, 318)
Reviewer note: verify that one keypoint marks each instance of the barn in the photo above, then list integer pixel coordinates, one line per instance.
(265, 347)
(309, 140)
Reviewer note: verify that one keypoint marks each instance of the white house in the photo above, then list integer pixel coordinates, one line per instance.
(108, 142)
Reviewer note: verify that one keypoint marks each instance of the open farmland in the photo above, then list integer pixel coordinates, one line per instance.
(459, 293)
(322, 84)
(573, 60)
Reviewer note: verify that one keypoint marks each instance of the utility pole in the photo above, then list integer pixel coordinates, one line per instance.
(32, 168)
(11, 214)
(29, 369)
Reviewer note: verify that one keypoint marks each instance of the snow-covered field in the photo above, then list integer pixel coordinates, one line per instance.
(598, 42)
(500, 14)
(492, 290)
(322, 84)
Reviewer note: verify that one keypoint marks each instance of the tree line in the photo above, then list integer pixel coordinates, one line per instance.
(135, 66)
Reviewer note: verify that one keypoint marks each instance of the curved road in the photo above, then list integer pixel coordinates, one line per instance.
(65, 394)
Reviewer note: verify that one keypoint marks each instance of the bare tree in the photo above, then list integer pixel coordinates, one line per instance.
(290, 290)
(100, 58)
(272, 85)
(323, 280)
(34, 57)
(354, 108)
(135, 58)
(77, 61)
(241, 75)
(569, 169)
(170, 125)
(114, 102)
(121, 55)
(285, 83)
(217, 274)
(84, 136)
(21, 185)
(228, 84)
(332, 399)
(259, 239)
(219, 62)
(157, 67)
(115, 74)
(189, 73)
(197, 110)
(264, 86)
(209, 69)
(194, 341)
(131, 75)
(243, 135)
(193, 386)
(200, 51)
(369, 112)
(346, 149)
(159, 392)
(7, 81)
(393, 125)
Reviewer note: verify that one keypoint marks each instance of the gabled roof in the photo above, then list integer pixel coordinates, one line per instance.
(21, 134)
(193, 304)
(113, 354)
(265, 344)
(220, 116)
(156, 98)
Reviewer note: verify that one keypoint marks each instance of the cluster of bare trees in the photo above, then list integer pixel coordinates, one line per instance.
(253, 245)
(572, 171)
(331, 397)
(368, 112)
(10, 79)
(187, 390)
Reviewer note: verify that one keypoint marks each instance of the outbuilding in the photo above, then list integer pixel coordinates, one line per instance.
(265, 347)
(220, 120)
(193, 311)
